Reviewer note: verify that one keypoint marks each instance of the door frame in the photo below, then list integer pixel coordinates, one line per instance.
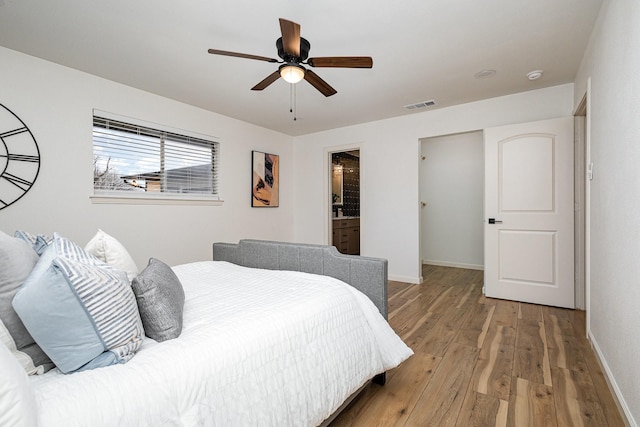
(328, 172)
(579, 200)
(584, 138)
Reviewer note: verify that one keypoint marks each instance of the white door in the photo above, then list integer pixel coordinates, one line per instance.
(529, 212)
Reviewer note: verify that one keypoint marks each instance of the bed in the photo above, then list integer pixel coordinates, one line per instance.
(272, 336)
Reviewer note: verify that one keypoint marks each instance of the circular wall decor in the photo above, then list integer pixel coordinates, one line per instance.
(19, 158)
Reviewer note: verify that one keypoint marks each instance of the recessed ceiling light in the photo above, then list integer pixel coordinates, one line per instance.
(534, 75)
(485, 74)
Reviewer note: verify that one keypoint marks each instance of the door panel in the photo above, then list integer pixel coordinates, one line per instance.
(518, 247)
(523, 187)
(529, 193)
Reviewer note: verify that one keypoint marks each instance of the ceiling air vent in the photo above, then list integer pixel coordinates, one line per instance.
(419, 105)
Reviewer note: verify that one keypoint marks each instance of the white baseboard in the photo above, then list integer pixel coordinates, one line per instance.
(406, 279)
(454, 264)
(617, 395)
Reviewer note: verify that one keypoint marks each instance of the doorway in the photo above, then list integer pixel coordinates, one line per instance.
(451, 192)
(345, 201)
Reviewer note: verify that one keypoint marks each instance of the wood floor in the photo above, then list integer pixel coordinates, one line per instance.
(484, 362)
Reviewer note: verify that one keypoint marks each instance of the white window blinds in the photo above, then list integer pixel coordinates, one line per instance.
(133, 158)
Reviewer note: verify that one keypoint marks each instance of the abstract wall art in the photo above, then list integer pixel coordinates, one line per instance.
(265, 170)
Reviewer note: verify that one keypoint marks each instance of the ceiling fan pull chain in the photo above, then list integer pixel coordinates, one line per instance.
(291, 97)
(295, 105)
(292, 100)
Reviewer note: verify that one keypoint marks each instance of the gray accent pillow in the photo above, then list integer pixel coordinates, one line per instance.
(160, 300)
(17, 259)
(38, 242)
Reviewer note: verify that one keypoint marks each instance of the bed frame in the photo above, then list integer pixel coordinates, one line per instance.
(368, 275)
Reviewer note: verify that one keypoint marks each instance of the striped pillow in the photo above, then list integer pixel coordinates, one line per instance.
(79, 310)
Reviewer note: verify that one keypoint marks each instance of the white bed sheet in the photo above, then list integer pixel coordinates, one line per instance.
(258, 348)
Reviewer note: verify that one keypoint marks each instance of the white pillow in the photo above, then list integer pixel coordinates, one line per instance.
(109, 250)
(17, 403)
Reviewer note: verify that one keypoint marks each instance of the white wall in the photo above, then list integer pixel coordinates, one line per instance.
(389, 166)
(56, 104)
(612, 62)
(452, 186)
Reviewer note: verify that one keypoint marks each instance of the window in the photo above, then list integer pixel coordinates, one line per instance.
(139, 162)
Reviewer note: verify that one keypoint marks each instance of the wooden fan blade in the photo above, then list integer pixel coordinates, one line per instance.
(342, 61)
(241, 55)
(290, 37)
(267, 81)
(319, 84)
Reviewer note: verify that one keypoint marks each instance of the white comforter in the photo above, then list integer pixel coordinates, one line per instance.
(258, 348)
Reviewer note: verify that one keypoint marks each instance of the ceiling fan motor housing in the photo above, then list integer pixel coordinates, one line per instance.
(287, 57)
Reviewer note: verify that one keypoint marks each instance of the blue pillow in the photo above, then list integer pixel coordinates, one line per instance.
(79, 310)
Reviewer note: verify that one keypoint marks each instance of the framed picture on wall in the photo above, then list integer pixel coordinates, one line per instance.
(265, 169)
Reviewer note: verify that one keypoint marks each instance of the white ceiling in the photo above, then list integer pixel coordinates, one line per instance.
(421, 49)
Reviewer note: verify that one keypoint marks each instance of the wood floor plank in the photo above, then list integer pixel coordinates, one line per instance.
(440, 304)
(529, 358)
(440, 403)
(576, 399)
(392, 404)
(480, 410)
(529, 311)
(474, 331)
(467, 295)
(531, 404)
(565, 349)
(484, 300)
(411, 328)
(358, 410)
(397, 294)
(506, 313)
(397, 304)
(563, 324)
(503, 414)
(569, 355)
(493, 371)
(579, 322)
(415, 337)
(402, 309)
(546, 364)
(437, 340)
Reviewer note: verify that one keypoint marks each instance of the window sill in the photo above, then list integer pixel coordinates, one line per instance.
(131, 199)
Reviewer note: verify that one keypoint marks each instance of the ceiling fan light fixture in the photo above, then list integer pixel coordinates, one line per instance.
(292, 73)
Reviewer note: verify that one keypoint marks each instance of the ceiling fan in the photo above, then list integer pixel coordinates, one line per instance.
(294, 52)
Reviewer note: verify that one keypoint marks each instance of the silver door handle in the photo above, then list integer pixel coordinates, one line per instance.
(494, 221)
